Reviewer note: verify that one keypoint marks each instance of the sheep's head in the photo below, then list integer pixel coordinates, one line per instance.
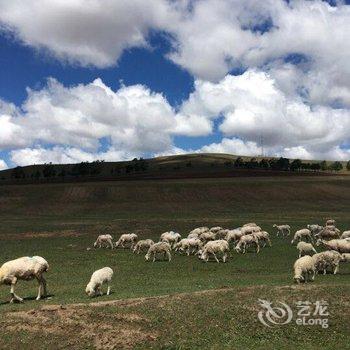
(95, 244)
(298, 279)
(90, 291)
(238, 249)
(147, 256)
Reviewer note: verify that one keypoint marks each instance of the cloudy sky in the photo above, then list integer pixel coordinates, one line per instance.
(116, 79)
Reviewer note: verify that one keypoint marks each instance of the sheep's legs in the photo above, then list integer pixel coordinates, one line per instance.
(336, 270)
(109, 290)
(13, 294)
(169, 256)
(224, 257)
(216, 258)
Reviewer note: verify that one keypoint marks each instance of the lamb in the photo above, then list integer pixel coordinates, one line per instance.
(162, 248)
(263, 237)
(98, 278)
(104, 240)
(142, 245)
(213, 248)
(325, 260)
(171, 237)
(284, 230)
(302, 234)
(345, 234)
(304, 269)
(127, 238)
(246, 241)
(339, 245)
(25, 268)
(305, 248)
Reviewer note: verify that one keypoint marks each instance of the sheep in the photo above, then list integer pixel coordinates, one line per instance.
(197, 231)
(233, 236)
(246, 241)
(263, 237)
(194, 244)
(127, 238)
(221, 234)
(345, 257)
(25, 268)
(158, 248)
(315, 229)
(345, 234)
(104, 240)
(250, 224)
(171, 237)
(213, 248)
(142, 245)
(339, 245)
(215, 229)
(207, 236)
(328, 233)
(302, 234)
(284, 230)
(330, 222)
(305, 248)
(247, 230)
(325, 260)
(98, 278)
(182, 245)
(304, 269)
(192, 235)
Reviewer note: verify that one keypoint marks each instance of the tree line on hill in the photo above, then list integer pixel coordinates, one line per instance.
(140, 165)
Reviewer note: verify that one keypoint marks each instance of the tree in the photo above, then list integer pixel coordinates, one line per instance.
(239, 162)
(264, 164)
(49, 170)
(296, 164)
(18, 173)
(324, 165)
(336, 166)
(348, 165)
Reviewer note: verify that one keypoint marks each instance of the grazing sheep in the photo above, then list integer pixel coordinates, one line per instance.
(263, 237)
(345, 234)
(215, 247)
(197, 231)
(327, 260)
(215, 229)
(305, 248)
(304, 269)
(98, 278)
(171, 237)
(345, 257)
(330, 222)
(142, 245)
(207, 236)
(315, 229)
(284, 230)
(160, 248)
(248, 230)
(127, 238)
(104, 240)
(221, 234)
(182, 245)
(25, 268)
(245, 242)
(233, 236)
(194, 244)
(339, 245)
(328, 233)
(192, 235)
(304, 234)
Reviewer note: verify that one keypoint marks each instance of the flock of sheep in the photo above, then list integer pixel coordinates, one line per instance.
(204, 242)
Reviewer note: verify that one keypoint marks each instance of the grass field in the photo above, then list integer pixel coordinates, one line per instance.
(184, 304)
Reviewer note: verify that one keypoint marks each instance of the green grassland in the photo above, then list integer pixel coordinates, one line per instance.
(184, 304)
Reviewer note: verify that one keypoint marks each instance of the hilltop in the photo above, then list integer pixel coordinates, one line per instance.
(168, 167)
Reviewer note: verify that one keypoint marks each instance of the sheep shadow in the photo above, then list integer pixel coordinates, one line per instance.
(31, 298)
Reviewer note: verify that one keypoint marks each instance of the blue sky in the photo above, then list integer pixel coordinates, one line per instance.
(119, 80)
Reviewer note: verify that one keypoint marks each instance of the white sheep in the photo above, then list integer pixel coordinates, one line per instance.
(233, 235)
(215, 229)
(330, 222)
(246, 241)
(315, 228)
(345, 234)
(284, 230)
(327, 260)
(207, 236)
(171, 237)
(305, 248)
(304, 234)
(248, 230)
(345, 257)
(329, 232)
(98, 278)
(128, 239)
(213, 248)
(263, 237)
(192, 235)
(221, 234)
(104, 240)
(339, 245)
(25, 268)
(197, 231)
(182, 245)
(304, 269)
(159, 248)
(142, 245)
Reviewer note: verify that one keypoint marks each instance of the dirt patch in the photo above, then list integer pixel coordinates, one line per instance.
(45, 234)
(90, 326)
